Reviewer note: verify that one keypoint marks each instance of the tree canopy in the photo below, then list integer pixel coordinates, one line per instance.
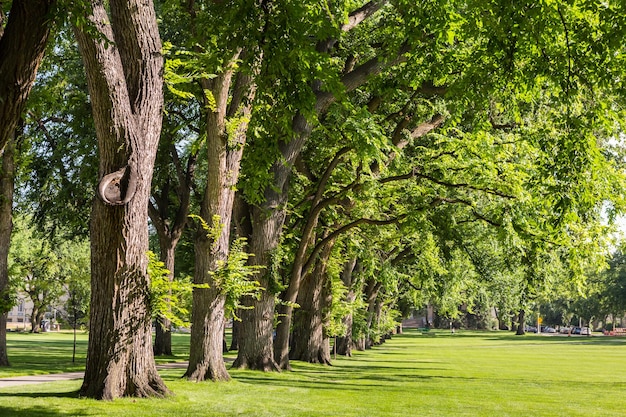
(344, 163)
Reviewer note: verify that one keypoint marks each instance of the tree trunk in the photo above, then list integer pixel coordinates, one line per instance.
(22, 46)
(36, 317)
(360, 343)
(256, 345)
(163, 337)
(286, 310)
(309, 343)
(344, 343)
(378, 308)
(522, 323)
(234, 343)
(163, 329)
(7, 173)
(205, 355)
(125, 85)
(371, 294)
(224, 159)
(283, 329)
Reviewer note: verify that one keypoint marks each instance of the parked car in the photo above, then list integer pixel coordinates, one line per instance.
(564, 330)
(585, 331)
(576, 330)
(548, 329)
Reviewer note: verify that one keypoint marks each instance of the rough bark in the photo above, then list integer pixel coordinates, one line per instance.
(7, 173)
(309, 343)
(206, 360)
(256, 348)
(125, 85)
(22, 46)
(224, 155)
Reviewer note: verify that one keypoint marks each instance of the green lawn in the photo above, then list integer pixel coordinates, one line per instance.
(46, 353)
(467, 374)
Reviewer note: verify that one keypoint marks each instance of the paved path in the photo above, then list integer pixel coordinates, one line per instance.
(40, 379)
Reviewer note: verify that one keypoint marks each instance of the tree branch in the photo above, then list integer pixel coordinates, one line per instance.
(344, 229)
(464, 185)
(359, 15)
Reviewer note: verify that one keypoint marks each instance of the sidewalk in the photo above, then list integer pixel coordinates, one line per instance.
(40, 379)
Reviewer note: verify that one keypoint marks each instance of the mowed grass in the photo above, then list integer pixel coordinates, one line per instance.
(48, 353)
(438, 374)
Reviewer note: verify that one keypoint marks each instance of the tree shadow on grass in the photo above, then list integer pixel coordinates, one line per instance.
(31, 394)
(38, 411)
(356, 384)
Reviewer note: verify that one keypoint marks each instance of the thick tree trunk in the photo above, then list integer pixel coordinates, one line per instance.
(256, 347)
(125, 84)
(224, 159)
(22, 46)
(309, 342)
(206, 350)
(360, 344)
(7, 174)
(163, 337)
(286, 310)
(255, 341)
(345, 342)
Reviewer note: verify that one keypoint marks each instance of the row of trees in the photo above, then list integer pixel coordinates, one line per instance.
(368, 156)
(604, 304)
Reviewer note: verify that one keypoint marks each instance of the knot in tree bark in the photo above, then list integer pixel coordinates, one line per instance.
(118, 188)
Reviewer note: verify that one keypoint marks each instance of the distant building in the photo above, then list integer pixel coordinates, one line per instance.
(19, 316)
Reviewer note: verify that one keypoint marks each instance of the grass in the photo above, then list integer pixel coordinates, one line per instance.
(48, 353)
(467, 374)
